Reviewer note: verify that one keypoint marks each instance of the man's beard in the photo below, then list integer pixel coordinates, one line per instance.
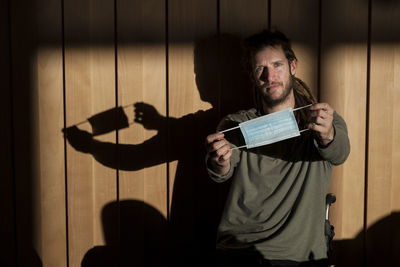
(274, 102)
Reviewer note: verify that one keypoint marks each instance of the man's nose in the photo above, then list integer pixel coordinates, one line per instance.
(264, 75)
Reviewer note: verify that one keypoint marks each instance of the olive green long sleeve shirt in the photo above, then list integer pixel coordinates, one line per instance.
(276, 201)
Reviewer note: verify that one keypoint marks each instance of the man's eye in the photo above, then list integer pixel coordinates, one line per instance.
(259, 69)
(277, 64)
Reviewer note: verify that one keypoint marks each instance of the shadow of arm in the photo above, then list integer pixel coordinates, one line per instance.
(129, 157)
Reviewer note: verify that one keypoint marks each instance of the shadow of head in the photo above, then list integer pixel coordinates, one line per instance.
(135, 235)
(220, 75)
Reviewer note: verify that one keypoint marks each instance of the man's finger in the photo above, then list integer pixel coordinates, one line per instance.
(321, 121)
(219, 147)
(322, 106)
(214, 137)
(227, 155)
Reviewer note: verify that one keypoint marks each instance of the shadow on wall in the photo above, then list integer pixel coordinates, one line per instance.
(196, 200)
(143, 235)
(146, 237)
(383, 245)
(141, 240)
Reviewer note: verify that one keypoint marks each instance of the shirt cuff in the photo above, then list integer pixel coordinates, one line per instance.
(217, 177)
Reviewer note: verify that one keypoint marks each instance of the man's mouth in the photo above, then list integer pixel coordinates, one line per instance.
(273, 85)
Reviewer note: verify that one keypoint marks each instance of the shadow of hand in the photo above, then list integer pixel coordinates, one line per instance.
(78, 139)
(148, 116)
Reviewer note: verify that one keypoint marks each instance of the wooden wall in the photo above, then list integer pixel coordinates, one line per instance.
(171, 69)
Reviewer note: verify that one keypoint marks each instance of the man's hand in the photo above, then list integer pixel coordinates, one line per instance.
(219, 153)
(321, 122)
(79, 139)
(148, 116)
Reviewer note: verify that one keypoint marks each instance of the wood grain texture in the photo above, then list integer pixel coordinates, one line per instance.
(188, 23)
(141, 57)
(299, 21)
(192, 111)
(344, 87)
(142, 86)
(184, 78)
(238, 20)
(383, 157)
(90, 90)
(49, 86)
(242, 18)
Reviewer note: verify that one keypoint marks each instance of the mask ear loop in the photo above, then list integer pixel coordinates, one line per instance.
(230, 129)
(238, 147)
(306, 106)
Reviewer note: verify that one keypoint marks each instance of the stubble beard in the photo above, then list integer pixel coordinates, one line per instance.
(275, 102)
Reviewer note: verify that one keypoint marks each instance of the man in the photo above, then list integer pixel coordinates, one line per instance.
(275, 209)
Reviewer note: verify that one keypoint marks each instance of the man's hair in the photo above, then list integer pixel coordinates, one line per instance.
(259, 41)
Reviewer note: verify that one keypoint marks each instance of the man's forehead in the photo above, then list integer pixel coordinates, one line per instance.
(270, 53)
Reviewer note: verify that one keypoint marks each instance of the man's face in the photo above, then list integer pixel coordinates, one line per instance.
(273, 75)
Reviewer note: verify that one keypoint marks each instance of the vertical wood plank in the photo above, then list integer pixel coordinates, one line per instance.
(238, 20)
(343, 86)
(78, 108)
(48, 82)
(383, 157)
(143, 175)
(7, 224)
(90, 90)
(188, 23)
(299, 21)
(192, 110)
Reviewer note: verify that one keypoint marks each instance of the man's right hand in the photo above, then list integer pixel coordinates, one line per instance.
(219, 153)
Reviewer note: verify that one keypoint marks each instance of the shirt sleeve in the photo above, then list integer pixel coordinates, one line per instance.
(339, 149)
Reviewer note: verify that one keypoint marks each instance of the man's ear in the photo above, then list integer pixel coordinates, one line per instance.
(293, 66)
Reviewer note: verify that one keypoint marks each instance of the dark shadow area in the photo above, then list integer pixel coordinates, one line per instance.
(251, 257)
(196, 200)
(7, 186)
(383, 245)
(17, 136)
(140, 241)
(140, 238)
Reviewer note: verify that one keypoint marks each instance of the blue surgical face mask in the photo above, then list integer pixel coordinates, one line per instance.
(269, 128)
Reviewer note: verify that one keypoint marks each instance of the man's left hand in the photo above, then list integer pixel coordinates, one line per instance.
(321, 122)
